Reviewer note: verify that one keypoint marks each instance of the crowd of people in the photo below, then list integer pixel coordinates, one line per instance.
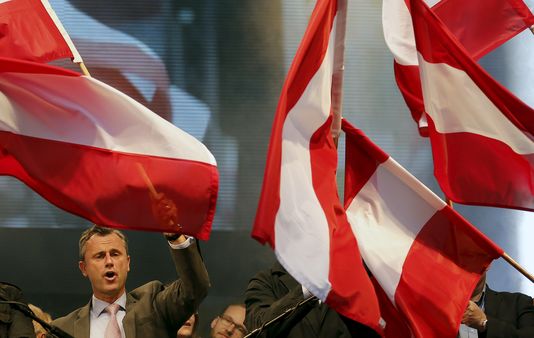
(171, 310)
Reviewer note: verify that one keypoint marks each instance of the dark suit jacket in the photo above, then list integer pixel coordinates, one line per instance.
(13, 324)
(272, 291)
(510, 315)
(154, 310)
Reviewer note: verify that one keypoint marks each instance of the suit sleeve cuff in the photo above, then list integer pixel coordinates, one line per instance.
(183, 245)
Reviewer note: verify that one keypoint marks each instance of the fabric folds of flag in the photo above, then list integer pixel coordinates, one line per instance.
(299, 212)
(481, 134)
(468, 21)
(85, 147)
(423, 254)
(30, 30)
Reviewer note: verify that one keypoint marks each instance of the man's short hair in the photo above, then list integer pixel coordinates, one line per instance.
(236, 305)
(99, 231)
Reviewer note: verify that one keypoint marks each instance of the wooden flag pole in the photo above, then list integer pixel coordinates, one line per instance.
(505, 256)
(517, 266)
(532, 29)
(147, 180)
(84, 69)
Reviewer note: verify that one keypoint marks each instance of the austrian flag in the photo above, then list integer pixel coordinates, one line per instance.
(299, 212)
(425, 256)
(481, 134)
(81, 143)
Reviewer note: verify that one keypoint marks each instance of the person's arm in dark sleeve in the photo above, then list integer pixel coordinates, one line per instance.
(262, 306)
(177, 302)
(19, 325)
(524, 327)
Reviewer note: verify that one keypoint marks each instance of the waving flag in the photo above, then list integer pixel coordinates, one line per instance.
(468, 21)
(32, 31)
(80, 143)
(424, 255)
(481, 134)
(299, 212)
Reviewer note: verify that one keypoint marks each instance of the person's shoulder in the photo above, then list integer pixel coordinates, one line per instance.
(11, 292)
(9, 289)
(511, 295)
(62, 322)
(148, 288)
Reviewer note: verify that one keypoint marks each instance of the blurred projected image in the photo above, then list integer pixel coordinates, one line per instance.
(141, 48)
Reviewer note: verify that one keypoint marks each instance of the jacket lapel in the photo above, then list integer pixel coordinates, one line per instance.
(128, 323)
(81, 324)
(491, 302)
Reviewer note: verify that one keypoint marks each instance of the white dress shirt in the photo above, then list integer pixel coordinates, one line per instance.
(99, 318)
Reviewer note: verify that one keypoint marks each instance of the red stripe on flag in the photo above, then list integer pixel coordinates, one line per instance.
(361, 162)
(29, 33)
(444, 264)
(395, 324)
(307, 61)
(10, 65)
(504, 179)
(483, 25)
(350, 295)
(409, 83)
(59, 171)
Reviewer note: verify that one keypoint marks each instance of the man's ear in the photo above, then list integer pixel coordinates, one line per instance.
(128, 263)
(81, 265)
(214, 322)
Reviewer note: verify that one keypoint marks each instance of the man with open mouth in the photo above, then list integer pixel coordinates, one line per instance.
(152, 310)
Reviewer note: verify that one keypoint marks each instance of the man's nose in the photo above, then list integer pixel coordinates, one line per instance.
(108, 260)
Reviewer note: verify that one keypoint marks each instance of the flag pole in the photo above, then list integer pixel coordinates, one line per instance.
(147, 180)
(532, 29)
(505, 256)
(517, 266)
(339, 68)
(84, 69)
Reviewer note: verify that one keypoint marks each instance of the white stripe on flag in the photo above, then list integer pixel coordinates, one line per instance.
(306, 241)
(30, 103)
(398, 31)
(470, 110)
(386, 228)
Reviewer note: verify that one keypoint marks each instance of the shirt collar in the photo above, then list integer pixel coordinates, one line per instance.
(98, 306)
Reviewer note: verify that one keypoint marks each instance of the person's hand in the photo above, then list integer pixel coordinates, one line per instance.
(474, 317)
(166, 214)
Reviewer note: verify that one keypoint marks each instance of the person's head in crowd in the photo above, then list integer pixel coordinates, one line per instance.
(479, 288)
(190, 328)
(104, 260)
(40, 331)
(229, 324)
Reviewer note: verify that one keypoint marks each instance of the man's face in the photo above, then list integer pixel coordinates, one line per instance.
(229, 324)
(106, 264)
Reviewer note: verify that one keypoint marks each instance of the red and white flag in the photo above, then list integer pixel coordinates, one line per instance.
(481, 134)
(480, 25)
(299, 213)
(80, 144)
(423, 254)
(30, 30)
